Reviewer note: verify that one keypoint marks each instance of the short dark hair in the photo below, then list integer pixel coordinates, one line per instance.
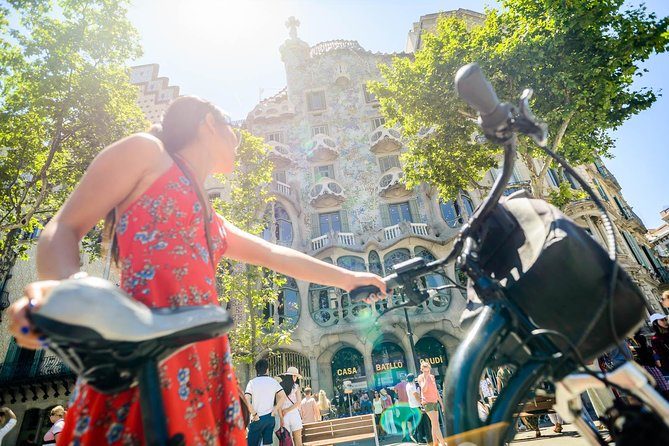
(261, 366)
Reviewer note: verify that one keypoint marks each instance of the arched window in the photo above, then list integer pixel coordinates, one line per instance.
(352, 263)
(375, 263)
(467, 204)
(279, 227)
(451, 213)
(281, 360)
(286, 310)
(441, 301)
(395, 257)
(325, 304)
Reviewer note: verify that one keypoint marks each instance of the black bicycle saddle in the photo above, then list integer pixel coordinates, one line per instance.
(105, 336)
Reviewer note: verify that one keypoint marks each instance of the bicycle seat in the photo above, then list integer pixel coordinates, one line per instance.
(105, 336)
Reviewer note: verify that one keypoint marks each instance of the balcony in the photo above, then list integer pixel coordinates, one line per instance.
(322, 148)
(49, 367)
(383, 140)
(333, 239)
(326, 193)
(342, 310)
(279, 154)
(607, 175)
(405, 228)
(634, 219)
(391, 184)
(342, 78)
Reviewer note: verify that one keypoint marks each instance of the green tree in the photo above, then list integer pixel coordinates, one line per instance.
(580, 57)
(65, 96)
(249, 288)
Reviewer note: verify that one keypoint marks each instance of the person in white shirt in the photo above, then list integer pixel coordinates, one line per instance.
(265, 396)
(7, 421)
(413, 395)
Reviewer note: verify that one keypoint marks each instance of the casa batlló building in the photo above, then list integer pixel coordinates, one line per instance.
(339, 197)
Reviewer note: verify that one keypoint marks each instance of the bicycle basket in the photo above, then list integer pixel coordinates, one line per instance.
(558, 274)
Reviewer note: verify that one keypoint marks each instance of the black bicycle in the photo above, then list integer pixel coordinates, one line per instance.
(551, 298)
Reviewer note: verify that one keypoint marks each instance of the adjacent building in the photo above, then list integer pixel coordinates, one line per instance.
(659, 238)
(155, 92)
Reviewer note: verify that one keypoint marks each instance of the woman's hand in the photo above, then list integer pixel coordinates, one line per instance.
(19, 322)
(357, 279)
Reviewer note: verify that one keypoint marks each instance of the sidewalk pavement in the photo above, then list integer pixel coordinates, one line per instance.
(568, 437)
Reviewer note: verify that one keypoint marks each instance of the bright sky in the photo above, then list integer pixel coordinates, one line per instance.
(228, 52)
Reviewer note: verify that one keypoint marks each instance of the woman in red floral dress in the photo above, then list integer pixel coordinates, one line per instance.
(164, 262)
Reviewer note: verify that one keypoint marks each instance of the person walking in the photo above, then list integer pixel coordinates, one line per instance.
(265, 397)
(7, 422)
(309, 407)
(430, 399)
(56, 417)
(167, 241)
(660, 341)
(413, 402)
(324, 405)
(292, 420)
(377, 406)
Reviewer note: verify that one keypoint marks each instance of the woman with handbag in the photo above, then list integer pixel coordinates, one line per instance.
(292, 419)
(167, 243)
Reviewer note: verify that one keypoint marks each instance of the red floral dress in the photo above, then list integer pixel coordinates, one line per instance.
(164, 262)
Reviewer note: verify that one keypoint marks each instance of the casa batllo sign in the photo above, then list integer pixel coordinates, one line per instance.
(347, 371)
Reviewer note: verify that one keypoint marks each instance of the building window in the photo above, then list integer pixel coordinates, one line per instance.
(316, 100)
(388, 162)
(400, 212)
(602, 193)
(467, 204)
(319, 130)
(276, 136)
(329, 222)
(324, 172)
(369, 96)
(375, 265)
(378, 122)
(395, 257)
(451, 213)
(213, 195)
(286, 310)
(621, 208)
(280, 176)
(280, 361)
(636, 251)
(279, 228)
(554, 177)
(352, 263)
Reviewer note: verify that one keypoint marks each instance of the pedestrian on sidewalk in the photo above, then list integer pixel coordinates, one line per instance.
(265, 396)
(292, 421)
(309, 408)
(324, 405)
(430, 399)
(377, 404)
(7, 422)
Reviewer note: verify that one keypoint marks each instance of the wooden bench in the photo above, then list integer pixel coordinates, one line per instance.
(339, 430)
(539, 405)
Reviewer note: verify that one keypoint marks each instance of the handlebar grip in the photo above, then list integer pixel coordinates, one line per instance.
(473, 87)
(358, 294)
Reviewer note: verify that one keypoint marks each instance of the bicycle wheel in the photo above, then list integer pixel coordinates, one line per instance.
(462, 421)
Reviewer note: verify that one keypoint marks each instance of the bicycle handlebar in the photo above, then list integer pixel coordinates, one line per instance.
(472, 86)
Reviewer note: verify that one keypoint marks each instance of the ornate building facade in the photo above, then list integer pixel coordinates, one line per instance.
(340, 197)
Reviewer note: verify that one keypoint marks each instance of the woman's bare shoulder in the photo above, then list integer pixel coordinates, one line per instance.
(139, 149)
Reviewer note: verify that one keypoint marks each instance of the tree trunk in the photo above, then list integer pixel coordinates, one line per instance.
(9, 255)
